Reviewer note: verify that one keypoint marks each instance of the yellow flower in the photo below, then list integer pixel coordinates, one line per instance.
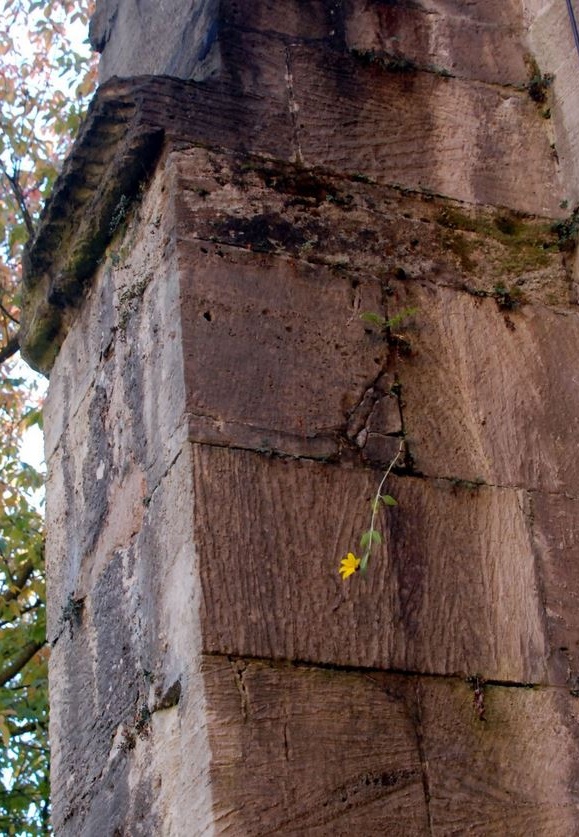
(348, 565)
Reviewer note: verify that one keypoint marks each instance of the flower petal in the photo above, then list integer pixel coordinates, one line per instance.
(348, 565)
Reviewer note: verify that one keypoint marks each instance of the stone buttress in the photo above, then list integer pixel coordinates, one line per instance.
(252, 177)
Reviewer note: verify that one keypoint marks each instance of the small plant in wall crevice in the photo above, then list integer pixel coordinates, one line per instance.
(371, 537)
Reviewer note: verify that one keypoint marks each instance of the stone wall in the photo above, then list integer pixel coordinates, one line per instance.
(551, 42)
(219, 418)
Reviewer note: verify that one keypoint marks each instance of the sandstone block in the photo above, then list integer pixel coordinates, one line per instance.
(265, 596)
(478, 41)
(423, 131)
(513, 773)
(502, 426)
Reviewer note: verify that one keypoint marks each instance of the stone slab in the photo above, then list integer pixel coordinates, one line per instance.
(551, 41)
(467, 413)
(513, 773)
(470, 141)
(555, 534)
(146, 38)
(401, 755)
(127, 704)
(477, 41)
(288, 324)
(301, 750)
(272, 256)
(271, 587)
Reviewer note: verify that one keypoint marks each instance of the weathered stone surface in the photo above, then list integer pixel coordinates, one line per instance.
(555, 533)
(127, 121)
(110, 436)
(128, 719)
(142, 38)
(423, 131)
(467, 413)
(359, 228)
(118, 480)
(482, 41)
(327, 105)
(266, 596)
(290, 323)
(551, 42)
(200, 251)
(273, 727)
(220, 418)
(401, 756)
(349, 69)
(173, 296)
(513, 773)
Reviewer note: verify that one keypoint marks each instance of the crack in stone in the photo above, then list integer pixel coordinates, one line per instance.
(360, 413)
(148, 498)
(293, 106)
(462, 482)
(419, 733)
(239, 667)
(528, 511)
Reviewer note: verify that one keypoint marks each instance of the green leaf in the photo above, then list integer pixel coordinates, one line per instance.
(374, 319)
(32, 417)
(369, 538)
(388, 500)
(399, 318)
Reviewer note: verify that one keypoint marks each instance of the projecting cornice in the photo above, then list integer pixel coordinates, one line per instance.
(353, 112)
(116, 150)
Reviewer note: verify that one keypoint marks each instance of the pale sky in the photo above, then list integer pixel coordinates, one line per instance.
(32, 451)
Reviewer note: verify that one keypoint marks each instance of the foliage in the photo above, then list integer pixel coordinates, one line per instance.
(372, 537)
(568, 231)
(45, 82)
(386, 325)
(23, 654)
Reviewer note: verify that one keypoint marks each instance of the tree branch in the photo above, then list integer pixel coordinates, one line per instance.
(7, 313)
(38, 603)
(14, 182)
(19, 661)
(32, 726)
(11, 347)
(18, 581)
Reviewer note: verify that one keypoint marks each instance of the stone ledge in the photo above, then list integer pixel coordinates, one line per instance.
(130, 120)
(114, 153)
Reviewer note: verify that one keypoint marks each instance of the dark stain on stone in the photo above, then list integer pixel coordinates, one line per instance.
(115, 808)
(264, 233)
(310, 187)
(148, 572)
(305, 185)
(134, 391)
(117, 683)
(96, 470)
(170, 697)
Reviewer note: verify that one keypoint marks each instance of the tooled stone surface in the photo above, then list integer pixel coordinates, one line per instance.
(187, 511)
(219, 416)
(402, 756)
(383, 92)
(243, 288)
(551, 41)
(481, 40)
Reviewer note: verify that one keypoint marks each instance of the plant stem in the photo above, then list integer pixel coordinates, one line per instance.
(375, 504)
